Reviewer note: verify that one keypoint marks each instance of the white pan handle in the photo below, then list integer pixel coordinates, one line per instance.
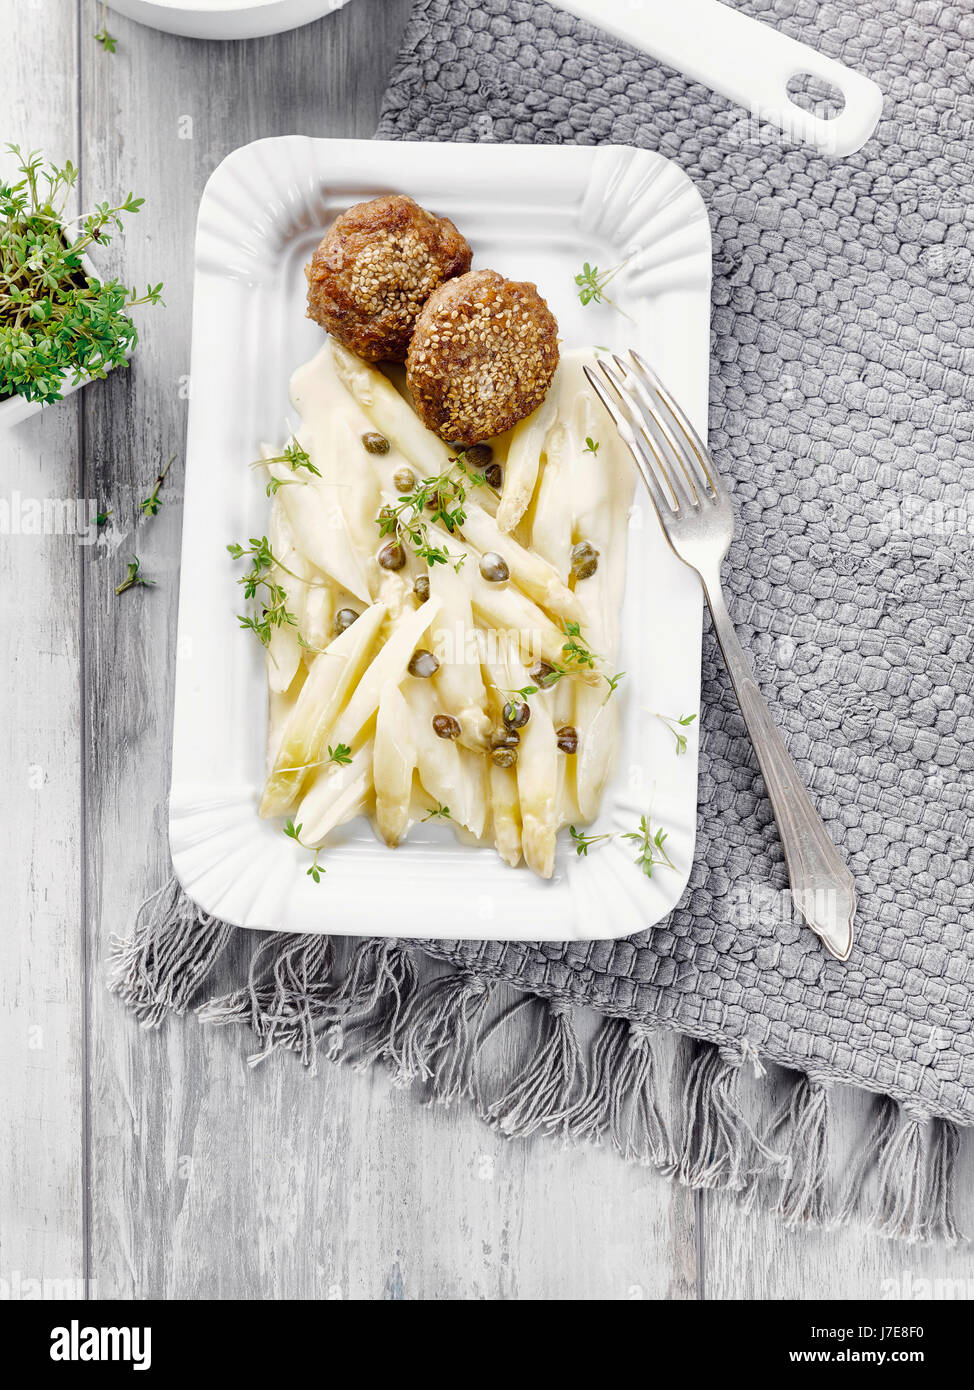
(744, 60)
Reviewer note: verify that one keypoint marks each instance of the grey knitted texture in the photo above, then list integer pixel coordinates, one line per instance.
(840, 416)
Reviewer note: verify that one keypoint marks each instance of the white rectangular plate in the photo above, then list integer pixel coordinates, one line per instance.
(532, 213)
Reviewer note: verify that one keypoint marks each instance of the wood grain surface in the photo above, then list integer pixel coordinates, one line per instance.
(160, 1165)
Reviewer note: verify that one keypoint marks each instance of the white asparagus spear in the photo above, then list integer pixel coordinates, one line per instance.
(536, 771)
(601, 519)
(562, 706)
(537, 780)
(332, 675)
(284, 649)
(552, 516)
(459, 683)
(442, 771)
(523, 460)
(314, 511)
(280, 707)
(400, 424)
(388, 664)
(597, 722)
(525, 626)
(389, 413)
(317, 616)
(333, 800)
(506, 813)
(393, 763)
(529, 572)
(348, 468)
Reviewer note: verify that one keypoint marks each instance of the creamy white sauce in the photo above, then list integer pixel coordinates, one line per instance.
(577, 496)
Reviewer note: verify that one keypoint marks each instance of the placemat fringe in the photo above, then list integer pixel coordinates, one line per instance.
(543, 1093)
(376, 1008)
(939, 1225)
(286, 998)
(172, 952)
(436, 1037)
(802, 1126)
(367, 1007)
(622, 1099)
(720, 1149)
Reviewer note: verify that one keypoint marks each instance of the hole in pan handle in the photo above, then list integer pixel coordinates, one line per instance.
(746, 61)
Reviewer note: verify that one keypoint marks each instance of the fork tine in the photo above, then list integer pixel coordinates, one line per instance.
(628, 436)
(697, 447)
(662, 471)
(683, 479)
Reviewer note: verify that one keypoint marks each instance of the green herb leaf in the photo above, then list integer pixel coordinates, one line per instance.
(575, 651)
(293, 832)
(583, 843)
(258, 584)
(650, 851)
(592, 284)
(674, 725)
(443, 497)
(294, 456)
(149, 506)
(134, 578)
(613, 683)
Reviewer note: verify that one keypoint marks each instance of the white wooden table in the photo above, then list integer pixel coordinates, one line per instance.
(158, 1165)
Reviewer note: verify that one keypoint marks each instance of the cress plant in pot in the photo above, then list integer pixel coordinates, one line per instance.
(60, 325)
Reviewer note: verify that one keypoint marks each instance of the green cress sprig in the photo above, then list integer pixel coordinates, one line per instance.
(55, 318)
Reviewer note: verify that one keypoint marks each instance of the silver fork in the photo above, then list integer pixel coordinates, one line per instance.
(698, 521)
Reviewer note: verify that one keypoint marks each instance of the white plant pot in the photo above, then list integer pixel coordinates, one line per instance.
(14, 409)
(225, 19)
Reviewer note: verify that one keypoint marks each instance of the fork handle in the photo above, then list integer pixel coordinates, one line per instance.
(821, 884)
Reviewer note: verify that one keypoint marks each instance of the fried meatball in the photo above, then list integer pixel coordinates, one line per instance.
(375, 268)
(482, 357)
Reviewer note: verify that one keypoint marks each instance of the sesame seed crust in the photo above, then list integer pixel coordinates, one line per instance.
(375, 268)
(482, 357)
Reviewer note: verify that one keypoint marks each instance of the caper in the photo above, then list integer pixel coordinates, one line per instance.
(392, 556)
(404, 479)
(375, 443)
(516, 714)
(478, 455)
(504, 757)
(421, 587)
(493, 475)
(504, 738)
(343, 619)
(494, 567)
(567, 737)
(543, 674)
(585, 560)
(445, 726)
(423, 663)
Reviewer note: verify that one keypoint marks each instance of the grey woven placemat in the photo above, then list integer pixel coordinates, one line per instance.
(842, 337)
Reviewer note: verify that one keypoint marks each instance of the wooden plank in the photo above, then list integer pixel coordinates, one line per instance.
(754, 1257)
(41, 946)
(270, 1183)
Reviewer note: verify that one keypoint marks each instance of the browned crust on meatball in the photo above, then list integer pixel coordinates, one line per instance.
(482, 357)
(375, 268)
